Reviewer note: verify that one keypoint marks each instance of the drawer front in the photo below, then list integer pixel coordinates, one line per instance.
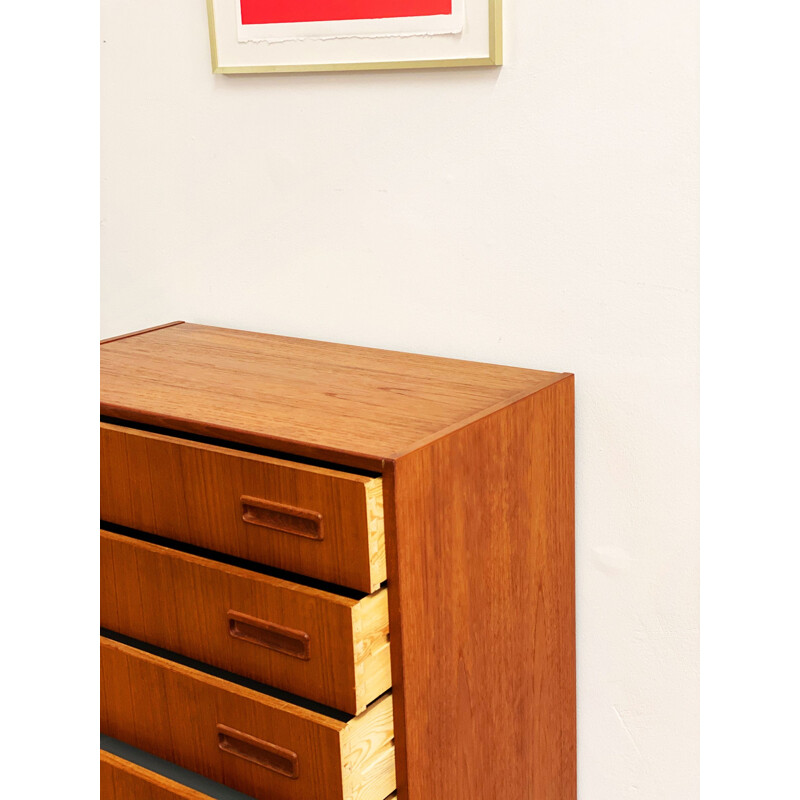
(257, 744)
(124, 780)
(320, 645)
(314, 521)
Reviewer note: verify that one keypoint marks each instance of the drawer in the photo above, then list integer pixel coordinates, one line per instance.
(257, 743)
(327, 647)
(320, 522)
(121, 779)
(124, 780)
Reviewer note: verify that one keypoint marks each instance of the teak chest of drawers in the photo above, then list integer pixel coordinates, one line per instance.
(333, 573)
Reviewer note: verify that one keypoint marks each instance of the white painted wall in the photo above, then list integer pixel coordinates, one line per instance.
(542, 215)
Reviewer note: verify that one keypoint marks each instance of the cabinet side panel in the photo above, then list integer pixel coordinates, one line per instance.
(482, 601)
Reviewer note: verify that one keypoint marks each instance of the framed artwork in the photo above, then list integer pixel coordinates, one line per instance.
(332, 35)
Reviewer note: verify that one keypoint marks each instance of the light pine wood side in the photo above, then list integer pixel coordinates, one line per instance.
(376, 534)
(175, 713)
(480, 548)
(373, 663)
(368, 753)
(193, 492)
(122, 780)
(182, 602)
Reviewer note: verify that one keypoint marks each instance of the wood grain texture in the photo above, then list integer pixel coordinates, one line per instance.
(353, 405)
(183, 603)
(480, 548)
(123, 780)
(174, 711)
(199, 493)
(368, 753)
(373, 670)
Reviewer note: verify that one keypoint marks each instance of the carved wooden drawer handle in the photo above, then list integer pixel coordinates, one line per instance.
(283, 518)
(268, 634)
(265, 754)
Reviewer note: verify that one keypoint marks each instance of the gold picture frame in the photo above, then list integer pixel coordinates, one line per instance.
(493, 59)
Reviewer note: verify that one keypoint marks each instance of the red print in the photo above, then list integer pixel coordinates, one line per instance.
(256, 12)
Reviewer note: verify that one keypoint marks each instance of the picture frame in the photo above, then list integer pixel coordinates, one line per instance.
(257, 36)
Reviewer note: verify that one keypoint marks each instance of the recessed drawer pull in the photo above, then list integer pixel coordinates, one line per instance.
(265, 754)
(283, 518)
(268, 634)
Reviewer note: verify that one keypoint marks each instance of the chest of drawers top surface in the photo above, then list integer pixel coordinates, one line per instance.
(309, 398)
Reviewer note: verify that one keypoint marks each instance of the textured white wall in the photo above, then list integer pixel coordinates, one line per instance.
(542, 215)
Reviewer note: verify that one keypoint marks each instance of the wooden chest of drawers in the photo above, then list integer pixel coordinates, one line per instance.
(333, 573)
